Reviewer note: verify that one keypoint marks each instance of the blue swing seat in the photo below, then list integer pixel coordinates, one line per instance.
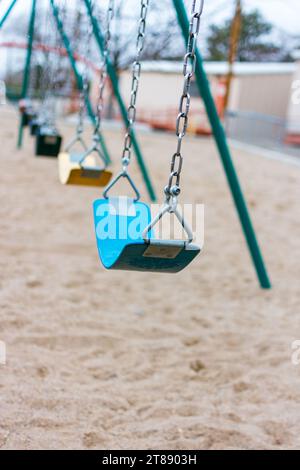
(119, 225)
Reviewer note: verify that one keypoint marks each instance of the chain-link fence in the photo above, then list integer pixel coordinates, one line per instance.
(258, 129)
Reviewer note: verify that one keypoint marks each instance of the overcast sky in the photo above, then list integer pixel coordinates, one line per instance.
(285, 14)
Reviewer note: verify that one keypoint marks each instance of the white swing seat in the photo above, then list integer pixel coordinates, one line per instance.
(88, 174)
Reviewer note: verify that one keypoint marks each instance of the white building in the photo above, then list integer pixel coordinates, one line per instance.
(257, 87)
(260, 88)
(264, 102)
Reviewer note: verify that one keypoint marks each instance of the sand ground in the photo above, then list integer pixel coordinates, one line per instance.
(115, 360)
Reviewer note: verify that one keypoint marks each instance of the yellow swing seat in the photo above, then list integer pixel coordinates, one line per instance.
(90, 174)
(80, 168)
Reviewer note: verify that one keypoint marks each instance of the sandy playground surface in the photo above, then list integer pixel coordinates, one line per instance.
(115, 360)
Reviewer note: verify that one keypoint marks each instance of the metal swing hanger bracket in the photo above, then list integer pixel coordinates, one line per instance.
(94, 148)
(123, 174)
(77, 138)
(169, 207)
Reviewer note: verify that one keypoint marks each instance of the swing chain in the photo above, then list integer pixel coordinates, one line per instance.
(103, 76)
(131, 111)
(85, 81)
(57, 67)
(172, 190)
(136, 74)
(46, 76)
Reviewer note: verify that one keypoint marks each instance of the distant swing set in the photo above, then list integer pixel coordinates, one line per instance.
(83, 168)
(138, 249)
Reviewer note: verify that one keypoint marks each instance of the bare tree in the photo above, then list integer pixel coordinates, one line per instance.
(164, 39)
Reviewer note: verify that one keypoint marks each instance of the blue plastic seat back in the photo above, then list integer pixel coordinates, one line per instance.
(119, 222)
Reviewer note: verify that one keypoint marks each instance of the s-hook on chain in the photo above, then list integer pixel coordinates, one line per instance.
(172, 190)
(136, 73)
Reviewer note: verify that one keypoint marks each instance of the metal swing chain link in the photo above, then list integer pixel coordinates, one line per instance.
(136, 73)
(104, 74)
(46, 75)
(56, 66)
(85, 81)
(189, 66)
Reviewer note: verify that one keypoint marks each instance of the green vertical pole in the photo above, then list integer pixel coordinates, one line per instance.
(5, 16)
(78, 77)
(220, 137)
(26, 75)
(114, 80)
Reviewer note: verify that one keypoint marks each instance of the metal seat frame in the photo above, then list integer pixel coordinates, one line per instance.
(81, 169)
(141, 251)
